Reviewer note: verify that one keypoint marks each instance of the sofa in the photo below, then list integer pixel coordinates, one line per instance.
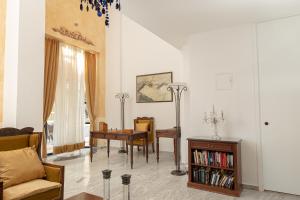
(18, 185)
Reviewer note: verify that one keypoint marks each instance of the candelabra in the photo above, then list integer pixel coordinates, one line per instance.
(177, 89)
(122, 97)
(214, 119)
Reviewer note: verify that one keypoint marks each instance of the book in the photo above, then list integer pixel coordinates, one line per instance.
(214, 159)
(220, 178)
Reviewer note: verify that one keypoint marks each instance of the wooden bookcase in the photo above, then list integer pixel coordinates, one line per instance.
(226, 146)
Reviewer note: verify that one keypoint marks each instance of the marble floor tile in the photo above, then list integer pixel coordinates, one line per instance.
(151, 181)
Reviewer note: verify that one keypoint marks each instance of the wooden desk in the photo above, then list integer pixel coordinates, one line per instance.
(126, 135)
(85, 196)
(167, 133)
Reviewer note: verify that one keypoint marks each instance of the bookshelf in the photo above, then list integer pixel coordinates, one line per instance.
(215, 165)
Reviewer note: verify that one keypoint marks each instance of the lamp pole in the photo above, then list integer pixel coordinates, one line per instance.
(177, 89)
(122, 97)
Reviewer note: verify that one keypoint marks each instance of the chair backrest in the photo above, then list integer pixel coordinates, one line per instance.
(150, 121)
(12, 139)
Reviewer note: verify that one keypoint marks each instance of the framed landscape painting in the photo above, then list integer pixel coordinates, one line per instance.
(152, 88)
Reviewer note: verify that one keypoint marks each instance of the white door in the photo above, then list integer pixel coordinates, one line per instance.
(279, 62)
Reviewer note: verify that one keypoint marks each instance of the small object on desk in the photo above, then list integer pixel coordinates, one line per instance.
(85, 196)
(106, 183)
(215, 165)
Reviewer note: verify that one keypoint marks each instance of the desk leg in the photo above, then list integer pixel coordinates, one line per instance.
(144, 147)
(157, 149)
(127, 147)
(91, 149)
(147, 152)
(131, 153)
(108, 147)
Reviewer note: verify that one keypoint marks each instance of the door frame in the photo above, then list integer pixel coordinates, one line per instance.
(258, 111)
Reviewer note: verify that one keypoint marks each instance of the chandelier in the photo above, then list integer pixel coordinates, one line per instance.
(100, 6)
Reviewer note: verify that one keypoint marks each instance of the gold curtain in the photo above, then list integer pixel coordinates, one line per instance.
(50, 79)
(90, 87)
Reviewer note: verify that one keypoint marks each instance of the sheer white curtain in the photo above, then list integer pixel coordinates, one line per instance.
(69, 110)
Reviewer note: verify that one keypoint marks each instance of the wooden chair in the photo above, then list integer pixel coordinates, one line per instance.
(13, 139)
(150, 129)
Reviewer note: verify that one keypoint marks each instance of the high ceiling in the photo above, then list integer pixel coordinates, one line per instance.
(175, 20)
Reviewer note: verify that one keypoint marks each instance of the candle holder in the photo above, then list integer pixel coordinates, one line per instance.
(126, 186)
(214, 119)
(177, 89)
(122, 96)
(106, 184)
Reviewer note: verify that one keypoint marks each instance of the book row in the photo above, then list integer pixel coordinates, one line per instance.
(211, 158)
(213, 177)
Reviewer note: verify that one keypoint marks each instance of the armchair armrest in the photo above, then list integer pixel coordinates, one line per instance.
(1, 190)
(55, 173)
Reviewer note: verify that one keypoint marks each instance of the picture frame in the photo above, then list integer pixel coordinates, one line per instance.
(152, 88)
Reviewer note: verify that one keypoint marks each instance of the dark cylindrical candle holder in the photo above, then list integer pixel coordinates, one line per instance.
(106, 184)
(126, 186)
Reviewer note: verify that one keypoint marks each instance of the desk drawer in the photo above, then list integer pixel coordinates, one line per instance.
(213, 146)
(116, 137)
(110, 136)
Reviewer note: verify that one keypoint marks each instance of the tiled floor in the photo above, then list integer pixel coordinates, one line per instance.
(150, 181)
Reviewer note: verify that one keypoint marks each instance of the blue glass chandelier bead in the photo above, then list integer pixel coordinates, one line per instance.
(99, 13)
(100, 6)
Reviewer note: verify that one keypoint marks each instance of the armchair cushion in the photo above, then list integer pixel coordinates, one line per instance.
(32, 188)
(53, 173)
(142, 127)
(19, 166)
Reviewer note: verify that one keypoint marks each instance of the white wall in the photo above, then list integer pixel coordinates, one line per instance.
(113, 72)
(11, 64)
(230, 51)
(142, 53)
(24, 64)
(146, 53)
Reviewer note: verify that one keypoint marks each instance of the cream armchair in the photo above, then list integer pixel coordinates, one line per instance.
(49, 187)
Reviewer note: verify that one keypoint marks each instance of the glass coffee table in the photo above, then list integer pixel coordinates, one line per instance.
(84, 196)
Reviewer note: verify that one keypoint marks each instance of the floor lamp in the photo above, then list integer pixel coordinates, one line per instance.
(122, 97)
(177, 89)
